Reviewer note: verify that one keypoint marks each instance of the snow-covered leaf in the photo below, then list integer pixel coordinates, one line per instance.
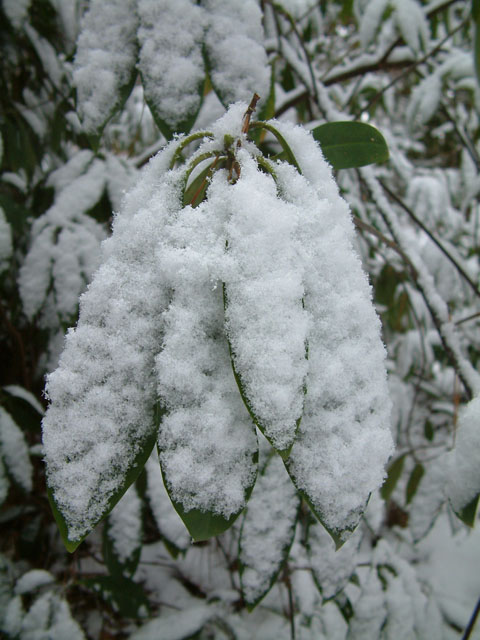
(100, 426)
(14, 451)
(5, 241)
(331, 568)
(171, 62)
(412, 23)
(235, 27)
(167, 519)
(370, 20)
(122, 535)
(463, 471)
(344, 439)
(267, 531)
(105, 61)
(176, 625)
(65, 247)
(32, 580)
(50, 617)
(264, 304)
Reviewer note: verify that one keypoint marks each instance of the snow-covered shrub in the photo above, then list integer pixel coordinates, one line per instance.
(239, 252)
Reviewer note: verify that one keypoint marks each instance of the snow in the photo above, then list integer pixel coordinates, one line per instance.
(153, 326)
(267, 529)
(332, 569)
(463, 471)
(344, 437)
(370, 20)
(103, 394)
(20, 392)
(235, 51)
(16, 11)
(264, 290)
(105, 59)
(168, 521)
(65, 242)
(175, 626)
(412, 24)
(50, 617)
(171, 61)
(33, 580)
(125, 525)
(5, 241)
(14, 451)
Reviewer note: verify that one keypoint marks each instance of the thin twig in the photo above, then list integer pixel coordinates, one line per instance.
(360, 224)
(422, 226)
(473, 620)
(413, 66)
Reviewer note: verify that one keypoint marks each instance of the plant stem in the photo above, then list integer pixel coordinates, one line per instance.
(472, 621)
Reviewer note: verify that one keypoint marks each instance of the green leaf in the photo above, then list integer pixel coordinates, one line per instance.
(195, 192)
(123, 594)
(429, 431)
(134, 471)
(351, 144)
(289, 155)
(468, 513)
(393, 474)
(414, 481)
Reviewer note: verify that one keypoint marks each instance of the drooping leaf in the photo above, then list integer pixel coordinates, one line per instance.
(207, 443)
(469, 512)
(144, 452)
(414, 481)
(105, 70)
(171, 65)
(125, 595)
(394, 472)
(234, 27)
(196, 190)
(101, 424)
(122, 535)
(267, 532)
(266, 323)
(289, 156)
(168, 522)
(331, 568)
(351, 144)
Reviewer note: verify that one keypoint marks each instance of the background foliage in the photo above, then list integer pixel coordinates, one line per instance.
(67, 154)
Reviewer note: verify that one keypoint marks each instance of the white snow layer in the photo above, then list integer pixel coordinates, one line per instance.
(32, 580)
(16, 11)
(171, 61)
(463, 470)
(14, 451)
(152, 326)
(103, 394)
(344, 438)
(168, 521)
(235, 51)
(266, 322)
(267, 529)
(5, 241)
(125, 525)
(105, 59)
